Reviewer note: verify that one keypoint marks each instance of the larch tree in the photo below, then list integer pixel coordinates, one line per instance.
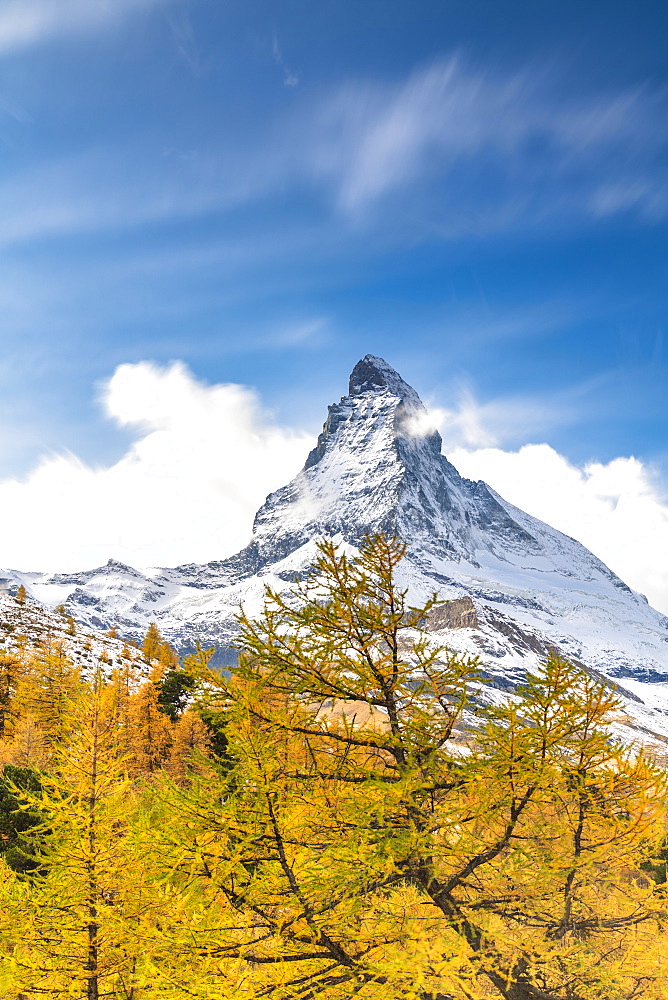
(47, 690)
(191, 740)
(12, 668)
(151, 729)
(158, 652)
(77, 927)
(117, 703)
(28, 746)
(367, 845)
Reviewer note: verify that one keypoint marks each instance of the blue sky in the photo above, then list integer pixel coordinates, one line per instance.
(265, 190)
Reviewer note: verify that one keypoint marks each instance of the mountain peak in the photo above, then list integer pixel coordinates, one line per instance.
(377, 466)
(372, 373)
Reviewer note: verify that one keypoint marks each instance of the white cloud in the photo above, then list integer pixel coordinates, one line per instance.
(203, 461)
(29, 22)
(615, 509)
(481, 425)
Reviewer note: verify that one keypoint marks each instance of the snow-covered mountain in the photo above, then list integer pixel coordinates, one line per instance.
(378, 466)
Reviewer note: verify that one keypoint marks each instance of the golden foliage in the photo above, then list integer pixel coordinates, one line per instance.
(375, 828)
(375, 859)
(151, 732)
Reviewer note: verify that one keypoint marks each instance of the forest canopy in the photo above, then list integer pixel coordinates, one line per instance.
(344, 814)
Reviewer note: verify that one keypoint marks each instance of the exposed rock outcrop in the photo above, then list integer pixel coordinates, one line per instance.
(460, 613)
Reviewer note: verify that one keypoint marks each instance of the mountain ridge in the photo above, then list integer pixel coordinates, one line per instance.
(378, 466)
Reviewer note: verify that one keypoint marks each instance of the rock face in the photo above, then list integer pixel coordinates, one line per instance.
(517, 587)
(460, 613)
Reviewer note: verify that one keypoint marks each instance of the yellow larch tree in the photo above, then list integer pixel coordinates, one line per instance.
(49, 684)
(152, 731)
(78, 926)
(47, 690)
(158, 652)
(12, 668)
(191, 739)
(117, 702)
(366, 852)
(28, 746)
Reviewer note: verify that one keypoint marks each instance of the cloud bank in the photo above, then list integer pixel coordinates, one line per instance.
(204, 459)
(205, 456)
(616, 509)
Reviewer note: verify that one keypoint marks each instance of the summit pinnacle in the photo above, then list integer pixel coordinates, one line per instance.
(372, 373)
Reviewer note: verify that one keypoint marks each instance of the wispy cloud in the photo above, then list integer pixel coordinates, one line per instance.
(28, 22)
(474, 424)
(444, 153)
(102, 189)
(185, 42)
(310, 333)
(494, 141)
(290, 78)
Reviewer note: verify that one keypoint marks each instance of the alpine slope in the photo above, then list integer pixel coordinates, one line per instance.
(510, 587)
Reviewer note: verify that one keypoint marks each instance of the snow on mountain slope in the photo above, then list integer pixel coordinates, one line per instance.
(27, 627)
(378, 466)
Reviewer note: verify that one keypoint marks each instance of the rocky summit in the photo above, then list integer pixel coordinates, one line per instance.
(516, 586)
